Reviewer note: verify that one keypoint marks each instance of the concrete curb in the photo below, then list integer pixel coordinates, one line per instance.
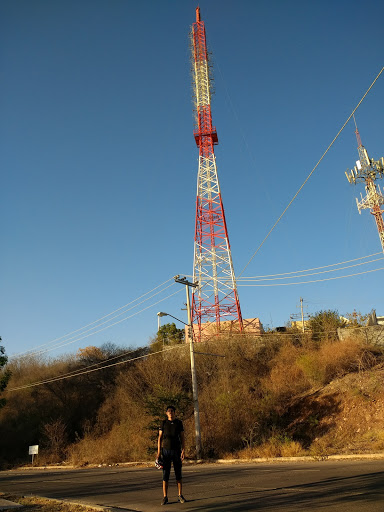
(6, 504)
(306, 458)
(373, 456)
(99, 508)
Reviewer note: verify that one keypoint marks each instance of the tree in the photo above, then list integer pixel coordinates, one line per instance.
(5, 374)
(90, 355)
(356, 319)
(324, 325)
(168, 334)
(55, 434)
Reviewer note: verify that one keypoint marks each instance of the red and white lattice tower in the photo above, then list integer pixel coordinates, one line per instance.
(215, 300)
(368, 171)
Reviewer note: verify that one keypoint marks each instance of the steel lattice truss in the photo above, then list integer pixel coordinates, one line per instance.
(215, 299)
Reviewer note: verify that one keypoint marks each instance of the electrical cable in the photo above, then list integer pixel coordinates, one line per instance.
(65, 337)
(104, 328)
(316, 280)
(313, 170)
(95, 321)
(314, 268)
(55, 379)
(75, 372)
(243, 279)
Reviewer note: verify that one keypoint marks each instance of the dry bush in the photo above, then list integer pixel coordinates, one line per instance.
(286, 378)
(231, 403)
(298, 368)
(125, 442)
(375, 439)
(319, 449)
(332, 359)
(55, 440)
(273, 447)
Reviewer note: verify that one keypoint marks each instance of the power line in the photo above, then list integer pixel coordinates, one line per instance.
(314, 268)
(243, 279)
(65, 377)
(65, 337)
(104, 328)
(75, 372)
(316, 280)
(313, 170)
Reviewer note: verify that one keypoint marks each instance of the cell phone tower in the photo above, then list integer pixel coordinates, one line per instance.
(215, 300)
(368, 171)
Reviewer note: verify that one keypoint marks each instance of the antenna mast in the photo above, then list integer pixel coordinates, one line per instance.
(368, 171)
(215, 299)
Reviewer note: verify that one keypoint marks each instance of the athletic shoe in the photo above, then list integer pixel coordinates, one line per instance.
(165, 501)
(182, 499)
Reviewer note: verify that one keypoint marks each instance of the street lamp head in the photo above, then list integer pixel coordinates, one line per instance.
(160, 313)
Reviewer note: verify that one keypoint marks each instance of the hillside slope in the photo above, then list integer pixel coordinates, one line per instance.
(345, 416)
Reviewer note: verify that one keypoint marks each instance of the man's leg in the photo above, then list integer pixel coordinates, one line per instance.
(166, 471)
(177, 467)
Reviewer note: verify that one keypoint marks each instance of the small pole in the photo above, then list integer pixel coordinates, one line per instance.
(302, 313)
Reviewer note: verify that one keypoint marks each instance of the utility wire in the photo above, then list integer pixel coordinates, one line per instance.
(66, 342)
(243, 279)
(81, 337)
(77, 370)
(314, 268)
(95, 321)
(55, 379)
(316, 280)
(313, 170)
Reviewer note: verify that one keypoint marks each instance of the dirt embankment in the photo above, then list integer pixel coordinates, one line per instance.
(346, 416)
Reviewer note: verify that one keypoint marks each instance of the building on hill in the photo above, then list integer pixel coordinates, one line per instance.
(251, 326)
(373, 319)
(298, 324)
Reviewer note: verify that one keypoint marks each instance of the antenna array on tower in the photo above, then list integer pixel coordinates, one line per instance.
(368, 171)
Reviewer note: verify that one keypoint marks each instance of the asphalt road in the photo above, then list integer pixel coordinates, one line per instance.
(342, 486)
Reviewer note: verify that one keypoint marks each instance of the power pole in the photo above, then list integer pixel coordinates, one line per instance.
(196, 410)
(367, 171)
(302, 313)
(216, 298)
(294, 316)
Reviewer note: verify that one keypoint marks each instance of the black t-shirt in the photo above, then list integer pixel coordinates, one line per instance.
(171, 434)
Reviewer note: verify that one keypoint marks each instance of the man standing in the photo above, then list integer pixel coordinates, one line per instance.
(171, 440)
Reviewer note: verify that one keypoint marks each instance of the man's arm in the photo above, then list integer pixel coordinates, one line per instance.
(182, 439)
(159, 443)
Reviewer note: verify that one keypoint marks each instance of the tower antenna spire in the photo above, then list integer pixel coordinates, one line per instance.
(215, 300)
(359, 143)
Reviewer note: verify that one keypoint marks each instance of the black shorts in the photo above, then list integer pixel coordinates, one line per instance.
(169, 457)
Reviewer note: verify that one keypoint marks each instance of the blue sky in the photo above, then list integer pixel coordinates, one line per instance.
(99, 163)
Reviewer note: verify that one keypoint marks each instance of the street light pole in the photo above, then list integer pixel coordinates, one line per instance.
(193, 368)
(159, 315)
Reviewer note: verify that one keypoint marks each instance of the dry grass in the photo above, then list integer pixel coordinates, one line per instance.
(36, 504)
(272, 448)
